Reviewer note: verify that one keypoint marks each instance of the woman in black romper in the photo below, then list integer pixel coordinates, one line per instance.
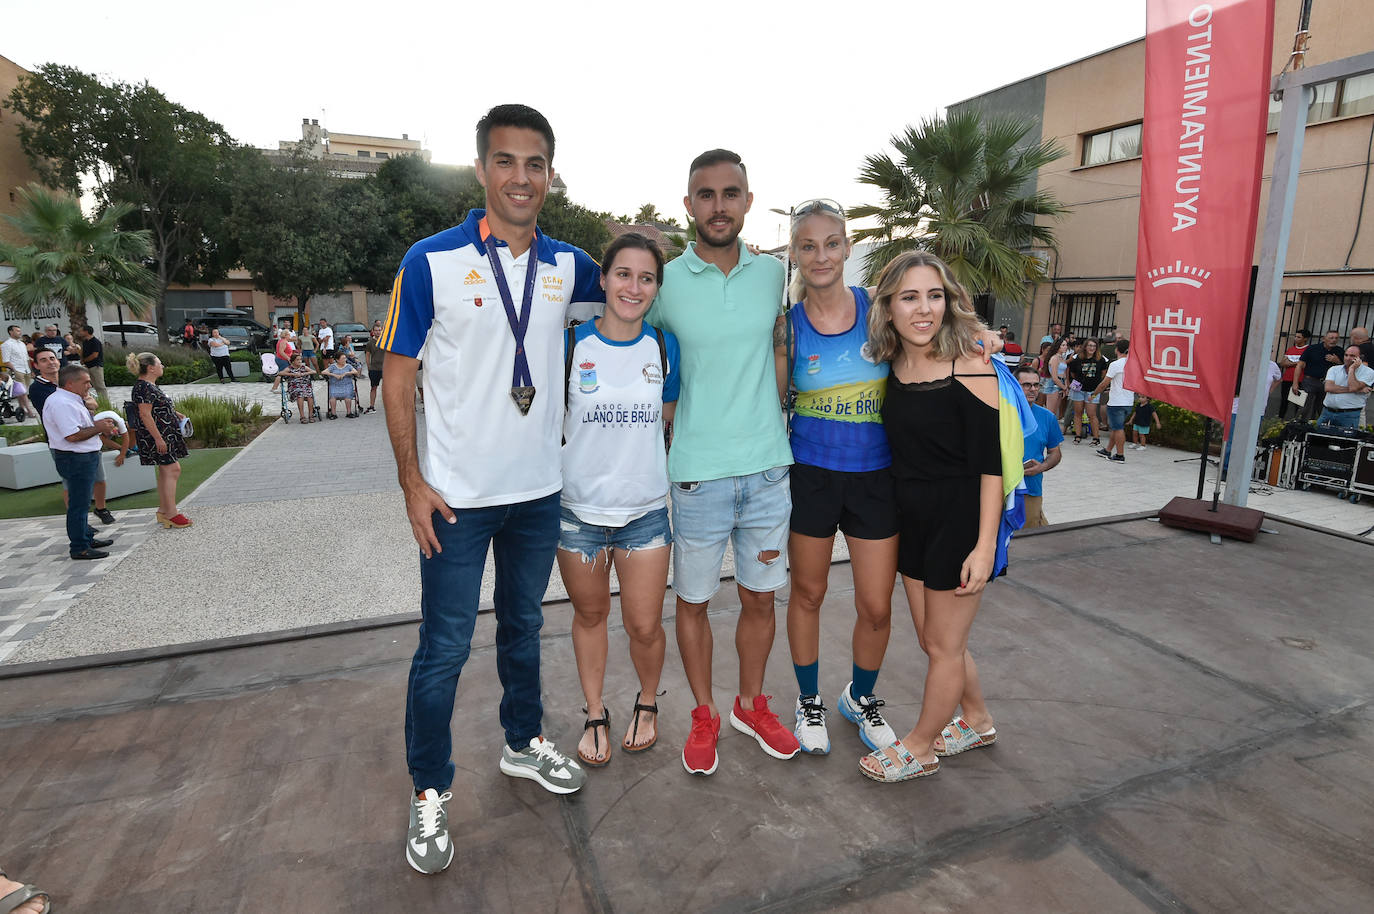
(941, 416)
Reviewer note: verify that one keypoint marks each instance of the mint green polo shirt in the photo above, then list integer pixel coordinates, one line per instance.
(728, 420)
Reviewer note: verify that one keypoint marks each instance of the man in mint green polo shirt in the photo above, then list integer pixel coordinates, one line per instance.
(730, 457)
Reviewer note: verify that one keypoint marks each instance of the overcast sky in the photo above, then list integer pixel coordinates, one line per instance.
(802, 90)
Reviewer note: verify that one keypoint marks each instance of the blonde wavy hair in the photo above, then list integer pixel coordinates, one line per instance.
(796, 290)
(138, 363)
(959, 330)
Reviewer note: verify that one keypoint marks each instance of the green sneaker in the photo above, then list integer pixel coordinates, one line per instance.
(543, 763)
(428, 846)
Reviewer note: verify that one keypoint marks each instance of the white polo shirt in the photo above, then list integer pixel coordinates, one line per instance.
(1338, 375)
(480, 451)
(16, 354)
(66, 414)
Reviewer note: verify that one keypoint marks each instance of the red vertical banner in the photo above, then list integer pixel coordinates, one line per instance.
(1207, 71)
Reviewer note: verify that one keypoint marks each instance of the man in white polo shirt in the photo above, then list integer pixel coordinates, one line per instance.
(74, 438)
(15, 354)
(487, 301)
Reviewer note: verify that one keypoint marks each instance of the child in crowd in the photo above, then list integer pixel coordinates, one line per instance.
(1141, 420)
(342, 384)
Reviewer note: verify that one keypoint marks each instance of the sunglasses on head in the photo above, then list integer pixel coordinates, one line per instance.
(820, 205)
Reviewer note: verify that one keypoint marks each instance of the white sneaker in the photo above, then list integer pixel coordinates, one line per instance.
(865, 712)
(429, 849)
(810, 729)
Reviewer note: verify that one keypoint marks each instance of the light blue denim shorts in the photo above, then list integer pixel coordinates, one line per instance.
(589, 540)
(1082, 396)
(751, 512)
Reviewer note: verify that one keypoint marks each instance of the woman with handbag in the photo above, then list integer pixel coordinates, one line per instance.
(157, 429)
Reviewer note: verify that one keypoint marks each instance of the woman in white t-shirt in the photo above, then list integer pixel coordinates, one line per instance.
(621, 390)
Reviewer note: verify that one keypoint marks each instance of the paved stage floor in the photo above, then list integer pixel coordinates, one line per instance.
(1183, 727)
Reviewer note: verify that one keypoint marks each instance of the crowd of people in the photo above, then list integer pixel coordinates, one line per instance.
(341, 365)
(1332, 382)
(681, 381)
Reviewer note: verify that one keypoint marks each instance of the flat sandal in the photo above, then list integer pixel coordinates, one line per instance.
(634, 725)
(603, 721)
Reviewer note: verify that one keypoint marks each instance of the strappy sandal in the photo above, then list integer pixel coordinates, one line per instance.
(958, 737)
(603, 721)
(634, 726)
(22, 894)
(893, 772)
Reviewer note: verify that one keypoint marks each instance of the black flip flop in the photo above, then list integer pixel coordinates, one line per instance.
(603, 721)
(634, 726)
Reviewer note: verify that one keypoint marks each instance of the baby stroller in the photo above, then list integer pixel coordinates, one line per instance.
(10, 392)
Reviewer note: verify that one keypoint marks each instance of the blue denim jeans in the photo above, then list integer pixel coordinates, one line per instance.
(523, 538)
(78, 471)
(1339, 420)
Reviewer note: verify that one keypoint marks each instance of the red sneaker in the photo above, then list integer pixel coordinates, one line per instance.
(699, 755)
(762, 724)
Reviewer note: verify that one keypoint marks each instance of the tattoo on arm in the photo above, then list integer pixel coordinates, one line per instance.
(780, 332)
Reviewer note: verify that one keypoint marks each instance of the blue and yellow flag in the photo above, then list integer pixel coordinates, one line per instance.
(1015, 421)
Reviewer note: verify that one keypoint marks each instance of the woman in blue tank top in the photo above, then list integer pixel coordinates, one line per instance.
(840, 479)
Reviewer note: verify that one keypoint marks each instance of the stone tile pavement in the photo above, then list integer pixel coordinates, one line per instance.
(293, 461)
(39, 583)
(250, 532)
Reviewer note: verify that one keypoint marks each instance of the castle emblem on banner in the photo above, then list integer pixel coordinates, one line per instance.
(1173, 337)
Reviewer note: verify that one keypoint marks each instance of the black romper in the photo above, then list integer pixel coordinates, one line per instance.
(943, 439)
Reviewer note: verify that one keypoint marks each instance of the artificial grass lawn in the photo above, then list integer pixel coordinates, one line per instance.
(46, 500)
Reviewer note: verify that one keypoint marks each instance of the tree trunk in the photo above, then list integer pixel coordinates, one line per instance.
(160, 304)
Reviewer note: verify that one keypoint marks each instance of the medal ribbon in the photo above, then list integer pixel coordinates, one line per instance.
(518, 323)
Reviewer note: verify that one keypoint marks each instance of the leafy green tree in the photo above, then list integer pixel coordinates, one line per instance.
(68, 258)
(133, 145)
(417, 199)
(958, 187)
(295, 226)
(567, 221)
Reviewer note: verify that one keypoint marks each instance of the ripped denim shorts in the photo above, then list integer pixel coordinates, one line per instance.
(588, 540)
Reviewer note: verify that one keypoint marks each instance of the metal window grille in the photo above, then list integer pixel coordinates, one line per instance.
(1320, 311)
(1091, 314)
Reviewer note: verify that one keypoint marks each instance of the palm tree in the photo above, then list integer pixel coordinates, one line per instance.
(74, 260)
(678, 241)
(957, 188)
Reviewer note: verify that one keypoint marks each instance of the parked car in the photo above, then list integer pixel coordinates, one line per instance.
(136, 333)
(259, 336)
(239, 338)
(359, 332)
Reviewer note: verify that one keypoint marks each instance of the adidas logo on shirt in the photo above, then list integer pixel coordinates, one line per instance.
(473, 279)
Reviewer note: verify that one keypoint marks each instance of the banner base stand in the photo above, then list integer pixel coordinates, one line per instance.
(1226, 520)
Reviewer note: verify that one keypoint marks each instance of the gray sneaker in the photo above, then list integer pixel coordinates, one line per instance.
(543, 763)
(428, 846)
(867, 714)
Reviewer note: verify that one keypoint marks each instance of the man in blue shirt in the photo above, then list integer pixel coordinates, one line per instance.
(1042, 450)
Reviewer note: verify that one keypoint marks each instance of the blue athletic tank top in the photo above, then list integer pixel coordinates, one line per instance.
(837, 421)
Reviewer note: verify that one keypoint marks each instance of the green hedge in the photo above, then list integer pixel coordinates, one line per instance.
(1182, 429)
(220, 422)
(180, 365)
